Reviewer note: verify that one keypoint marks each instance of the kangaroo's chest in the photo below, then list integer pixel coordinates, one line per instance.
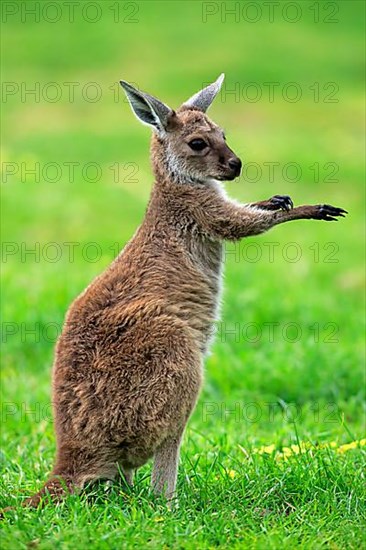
(207, 258)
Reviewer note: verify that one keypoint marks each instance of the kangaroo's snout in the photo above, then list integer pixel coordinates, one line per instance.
(229, 164)
(235, 165)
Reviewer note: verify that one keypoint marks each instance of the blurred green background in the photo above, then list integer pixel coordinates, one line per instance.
(292, 108)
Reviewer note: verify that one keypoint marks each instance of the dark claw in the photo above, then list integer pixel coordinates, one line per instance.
(327, 212)
(283, 202)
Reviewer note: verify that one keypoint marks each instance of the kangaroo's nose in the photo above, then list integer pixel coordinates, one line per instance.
(235, 164)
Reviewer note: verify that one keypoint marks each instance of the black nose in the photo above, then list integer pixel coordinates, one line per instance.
(235, 164)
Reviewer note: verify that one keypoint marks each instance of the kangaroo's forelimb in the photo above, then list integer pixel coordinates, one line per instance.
(227, 220)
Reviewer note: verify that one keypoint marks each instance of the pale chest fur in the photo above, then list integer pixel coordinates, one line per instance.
(207, 256)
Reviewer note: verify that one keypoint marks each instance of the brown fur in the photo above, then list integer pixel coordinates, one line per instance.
(128, 365)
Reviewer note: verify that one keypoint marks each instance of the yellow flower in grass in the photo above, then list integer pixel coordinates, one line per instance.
(230, 473)
(266, 449)
(347, 447)
(286, 452)
(353, 445)
(297, 449)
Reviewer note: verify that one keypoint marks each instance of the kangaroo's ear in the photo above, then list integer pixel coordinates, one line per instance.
(203, 99)
(147, 108)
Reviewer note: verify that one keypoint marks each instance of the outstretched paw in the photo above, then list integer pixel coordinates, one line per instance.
(329, 213)
(281, 202)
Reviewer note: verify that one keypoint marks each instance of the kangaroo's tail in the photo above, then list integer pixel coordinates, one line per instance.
(54, 490)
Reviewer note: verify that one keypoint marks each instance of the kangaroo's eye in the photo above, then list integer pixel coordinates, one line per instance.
(197, 144)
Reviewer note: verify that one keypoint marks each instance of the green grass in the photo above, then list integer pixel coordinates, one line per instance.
(303, 383)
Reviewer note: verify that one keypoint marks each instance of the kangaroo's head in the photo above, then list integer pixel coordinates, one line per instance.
(186, 146)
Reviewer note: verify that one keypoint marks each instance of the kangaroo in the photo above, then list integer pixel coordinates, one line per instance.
(129, 362)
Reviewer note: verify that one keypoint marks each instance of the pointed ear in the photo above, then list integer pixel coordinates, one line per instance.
(147, 108)
(203, 99)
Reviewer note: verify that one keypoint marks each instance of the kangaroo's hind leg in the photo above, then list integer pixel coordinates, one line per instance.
(164, 476)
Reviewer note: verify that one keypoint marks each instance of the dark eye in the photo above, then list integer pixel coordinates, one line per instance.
(197, 144)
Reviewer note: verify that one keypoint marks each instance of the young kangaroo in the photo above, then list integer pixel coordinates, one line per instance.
(128, 366)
